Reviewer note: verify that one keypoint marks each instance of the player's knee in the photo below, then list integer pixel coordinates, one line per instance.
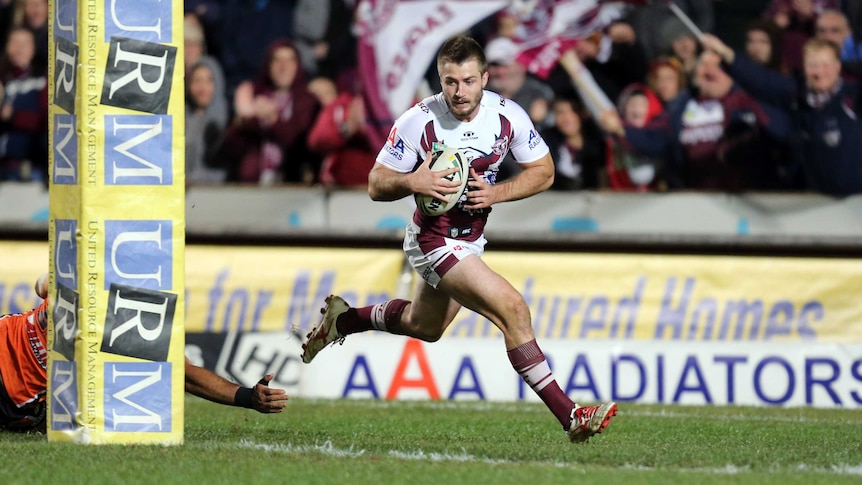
(428, 334)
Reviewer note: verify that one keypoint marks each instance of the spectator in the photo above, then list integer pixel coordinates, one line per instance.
(639, 106)
(615, 59)
(246, 26)
(204, 129)
(713, 139)
(683, 47)
(763, 44)
(336, 53)
(339, 135)
(33, 15)
(266, 143)
(649, 22)
(196, 53)
(24, 110)
(509, 78)
(832, 26)
(826, 112)
(666, 78)
(576, 145)
(797, 19)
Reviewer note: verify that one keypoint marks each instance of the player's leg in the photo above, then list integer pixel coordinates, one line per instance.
(472, 283)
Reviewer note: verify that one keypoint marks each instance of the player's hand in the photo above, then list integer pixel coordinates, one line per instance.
(426, 182)
(480, 194)
(265, 399)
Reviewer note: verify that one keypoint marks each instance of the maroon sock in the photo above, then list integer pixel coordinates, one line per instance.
(529, 362)
(384, 316)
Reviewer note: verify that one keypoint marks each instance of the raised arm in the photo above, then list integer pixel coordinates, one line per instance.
(757, 80)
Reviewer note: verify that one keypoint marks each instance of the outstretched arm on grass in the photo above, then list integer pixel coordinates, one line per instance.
(212, 387)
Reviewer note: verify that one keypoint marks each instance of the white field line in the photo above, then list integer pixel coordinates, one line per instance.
(748, 414)
(328, 449)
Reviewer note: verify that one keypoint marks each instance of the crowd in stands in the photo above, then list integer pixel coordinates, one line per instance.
(767, 100)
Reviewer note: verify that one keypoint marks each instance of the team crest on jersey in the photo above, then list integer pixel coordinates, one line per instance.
(501, 146)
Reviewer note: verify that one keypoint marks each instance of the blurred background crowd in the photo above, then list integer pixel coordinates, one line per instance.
(273, 96)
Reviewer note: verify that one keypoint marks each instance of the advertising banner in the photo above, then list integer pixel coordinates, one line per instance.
(116, 230)
(571, 296)
(691, 373)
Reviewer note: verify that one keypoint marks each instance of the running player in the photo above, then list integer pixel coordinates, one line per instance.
(446, 250)
(23, 379)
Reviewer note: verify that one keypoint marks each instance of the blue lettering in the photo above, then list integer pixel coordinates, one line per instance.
(360, 365)
(595, 315)
(708, 308)
(465, 327)
(466, 366)
(550, 316)
(856, 372)
(659, 374)
(669, 316)
(780, 320)
(791, 380)
(806, 332)
(582, 363)
(692, 365)
(615, 395)
(215, 295)
(741, 309)
(264, 297)
(629, 305)
(826, 382)
(301, 309)
(21, 298)
(730, 361)
(573, 305)
(239, 297)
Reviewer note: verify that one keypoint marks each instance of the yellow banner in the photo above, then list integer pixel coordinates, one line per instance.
(572, 296)
(117, 222)
(598, 296)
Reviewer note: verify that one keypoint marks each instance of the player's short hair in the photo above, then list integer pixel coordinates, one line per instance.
(460, 49)
(822, 45)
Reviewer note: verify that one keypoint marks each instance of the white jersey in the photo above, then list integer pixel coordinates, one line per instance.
(499, 126)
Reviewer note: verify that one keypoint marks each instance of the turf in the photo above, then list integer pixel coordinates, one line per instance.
(443, 442)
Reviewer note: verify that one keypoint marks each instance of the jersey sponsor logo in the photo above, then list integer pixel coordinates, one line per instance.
(138, 397)
(469, 135)
(138, 322)
(139, 253)
(139, 75)
(425, 109)
(394, 144)
(138, 150)
(535, 139)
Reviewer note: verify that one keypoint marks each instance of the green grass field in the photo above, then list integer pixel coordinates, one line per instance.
(443, 442)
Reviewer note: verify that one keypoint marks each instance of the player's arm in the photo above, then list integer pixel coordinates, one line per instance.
(212, 387)
(386, 184)
(535, 177)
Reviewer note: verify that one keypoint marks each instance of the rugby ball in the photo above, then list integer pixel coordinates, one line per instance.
(444, 158)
